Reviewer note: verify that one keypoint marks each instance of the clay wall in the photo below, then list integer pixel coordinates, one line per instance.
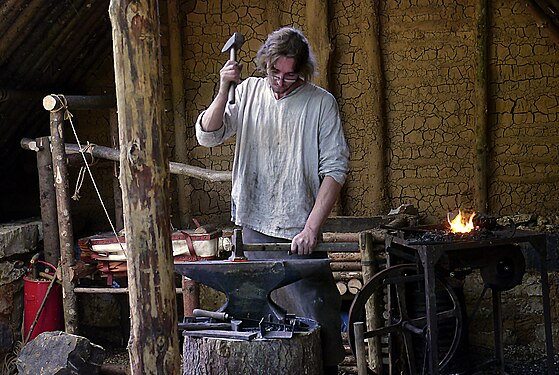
(429, 67)
(422, 149)
(524, 132)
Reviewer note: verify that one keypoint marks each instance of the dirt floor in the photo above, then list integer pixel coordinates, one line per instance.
(519, 360)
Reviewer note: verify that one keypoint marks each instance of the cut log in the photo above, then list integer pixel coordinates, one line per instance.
(345, 266)
(301, 354)
(346, 275)
(354, 286)
(342, 287)
(340, 237)
(345, 257)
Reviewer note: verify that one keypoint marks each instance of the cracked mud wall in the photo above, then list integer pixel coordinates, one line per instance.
(426, 135)
(429, 67)
(429, 49)
(524, 120)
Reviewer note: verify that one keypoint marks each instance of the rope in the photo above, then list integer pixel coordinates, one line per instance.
(81, 175)
(79, 182)
(68, 116)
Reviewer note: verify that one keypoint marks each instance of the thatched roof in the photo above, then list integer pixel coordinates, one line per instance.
(46, 47)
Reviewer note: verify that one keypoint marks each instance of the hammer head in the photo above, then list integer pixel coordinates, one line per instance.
(235, 42)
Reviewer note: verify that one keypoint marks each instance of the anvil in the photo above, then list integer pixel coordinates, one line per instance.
(247, 285)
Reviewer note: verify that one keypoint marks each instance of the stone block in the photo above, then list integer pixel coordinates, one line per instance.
(57, 353)
(19, 237)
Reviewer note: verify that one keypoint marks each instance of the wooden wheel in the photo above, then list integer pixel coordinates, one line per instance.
(396, 299)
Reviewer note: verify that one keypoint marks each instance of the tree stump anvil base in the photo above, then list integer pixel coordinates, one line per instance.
(300, 354)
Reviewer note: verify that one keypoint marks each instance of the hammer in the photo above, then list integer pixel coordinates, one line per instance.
(233, 45)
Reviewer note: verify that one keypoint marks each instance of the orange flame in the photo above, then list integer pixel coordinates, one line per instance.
(462, 223)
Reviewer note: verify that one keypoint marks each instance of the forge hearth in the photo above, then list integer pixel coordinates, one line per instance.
(417, 318)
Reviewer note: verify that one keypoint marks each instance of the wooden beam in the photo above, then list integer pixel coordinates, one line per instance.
(117, 191)
(273, 15)
(13, 37)
(481, 105)
(114, 154)
(544, 20)
(47, 198)
(145, 180)
(184, 189)
(377, 199)
(65, 228)
(319, 38)
(50, 102)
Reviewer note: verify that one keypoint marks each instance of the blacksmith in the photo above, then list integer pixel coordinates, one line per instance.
(291, 160)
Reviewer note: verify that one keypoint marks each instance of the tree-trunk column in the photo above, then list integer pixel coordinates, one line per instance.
(65, 228)
(144, 174)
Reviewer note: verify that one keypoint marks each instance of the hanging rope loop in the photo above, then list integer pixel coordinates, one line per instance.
(68, 116)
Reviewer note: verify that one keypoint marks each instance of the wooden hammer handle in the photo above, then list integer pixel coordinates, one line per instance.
(233, 85)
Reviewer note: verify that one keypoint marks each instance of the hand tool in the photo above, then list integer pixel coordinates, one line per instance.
(233, 45)
(196, 326)
(266, 329)
(238, 248)
(246, 336)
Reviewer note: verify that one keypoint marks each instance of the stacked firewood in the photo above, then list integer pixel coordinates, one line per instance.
(346, 266)
(346, 269)
(349, 365)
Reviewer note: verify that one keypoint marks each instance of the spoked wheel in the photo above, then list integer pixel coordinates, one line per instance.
(395, 298)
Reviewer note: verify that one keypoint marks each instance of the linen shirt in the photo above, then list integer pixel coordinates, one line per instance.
(284, 149)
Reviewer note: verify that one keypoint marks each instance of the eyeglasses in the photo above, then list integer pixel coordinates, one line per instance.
(288, 78)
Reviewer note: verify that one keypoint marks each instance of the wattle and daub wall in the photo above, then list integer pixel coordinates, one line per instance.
(428, 53)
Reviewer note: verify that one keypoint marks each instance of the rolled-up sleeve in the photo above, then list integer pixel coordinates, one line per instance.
(333, 149)
(229, 124)
(208, 139)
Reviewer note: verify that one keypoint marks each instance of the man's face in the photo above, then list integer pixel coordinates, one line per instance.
(282, 76)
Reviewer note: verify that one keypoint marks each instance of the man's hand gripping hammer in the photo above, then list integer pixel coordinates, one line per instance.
(233, 45)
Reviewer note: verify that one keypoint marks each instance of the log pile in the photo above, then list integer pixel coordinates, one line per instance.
(346, 269)
(352, 270)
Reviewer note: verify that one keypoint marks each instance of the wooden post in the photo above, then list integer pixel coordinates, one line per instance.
(154, 344)
(273, 15)
(480, 170)
(369, 246)
(376, 152)
(191, 289)
(117, 191)
(179, 117)
(319, 38)
(47, 198)
(65, 229)
(359, 329)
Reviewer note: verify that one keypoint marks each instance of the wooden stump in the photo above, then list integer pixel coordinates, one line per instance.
(301, 354)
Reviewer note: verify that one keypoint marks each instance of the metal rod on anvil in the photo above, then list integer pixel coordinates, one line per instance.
(320, 247)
